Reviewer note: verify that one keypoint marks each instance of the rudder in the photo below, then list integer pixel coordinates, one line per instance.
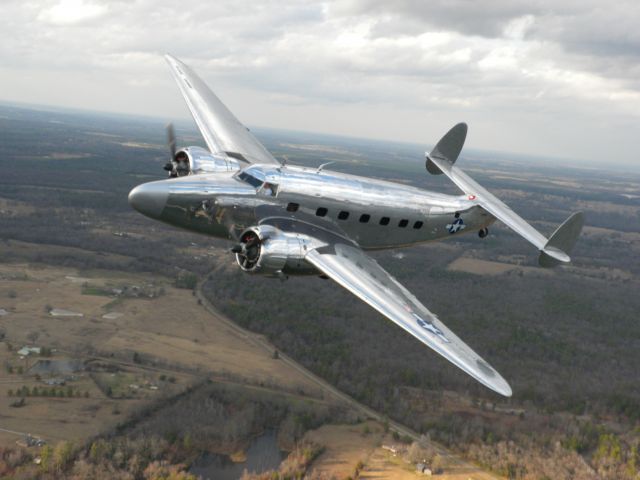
(448, 148)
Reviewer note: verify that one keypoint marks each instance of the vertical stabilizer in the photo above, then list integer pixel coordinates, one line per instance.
(448, 148)
(562, 241)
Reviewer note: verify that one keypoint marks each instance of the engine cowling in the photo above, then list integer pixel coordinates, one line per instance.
(194, 160)
(268, 251)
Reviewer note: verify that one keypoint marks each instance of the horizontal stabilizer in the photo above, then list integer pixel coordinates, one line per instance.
(561, 242)
(552, 252)
(448, 148)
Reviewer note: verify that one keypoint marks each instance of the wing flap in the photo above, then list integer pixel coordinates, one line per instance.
(222, 131)
(355, 271)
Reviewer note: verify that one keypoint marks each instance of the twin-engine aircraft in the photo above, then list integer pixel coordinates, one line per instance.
(291, 220)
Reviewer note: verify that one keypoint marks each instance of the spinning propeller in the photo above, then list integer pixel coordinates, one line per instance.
(248, 250)
(171, 141)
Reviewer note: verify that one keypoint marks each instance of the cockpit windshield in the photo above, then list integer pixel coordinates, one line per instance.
(250, 179)
(265, 182)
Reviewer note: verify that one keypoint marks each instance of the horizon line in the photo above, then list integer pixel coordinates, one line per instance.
(571, 161)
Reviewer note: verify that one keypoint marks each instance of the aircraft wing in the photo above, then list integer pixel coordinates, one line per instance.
(354, 270)
(222, 131)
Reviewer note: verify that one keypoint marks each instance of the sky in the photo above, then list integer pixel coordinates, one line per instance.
(557, 78)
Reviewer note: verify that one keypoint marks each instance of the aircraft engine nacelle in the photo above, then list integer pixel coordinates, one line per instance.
(269, 251)
(194, 160)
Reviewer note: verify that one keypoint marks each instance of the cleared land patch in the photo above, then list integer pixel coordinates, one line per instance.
(171, 330)
(378, 454)
(480, 267)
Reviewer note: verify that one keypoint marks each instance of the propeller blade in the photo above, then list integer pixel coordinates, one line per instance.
(171, 140)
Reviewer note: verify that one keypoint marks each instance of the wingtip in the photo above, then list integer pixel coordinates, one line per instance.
(504, 389)
(557, 254)
(498, 384)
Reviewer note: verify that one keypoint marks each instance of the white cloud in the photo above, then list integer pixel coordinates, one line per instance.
(517, 28)
(70, 12)
(515, 70)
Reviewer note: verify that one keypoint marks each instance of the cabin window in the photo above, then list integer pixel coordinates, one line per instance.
(343, 215)
(403, 223)
(292, 207)
(364, 218)
(418, 225)
(384, 221)
(321, 212)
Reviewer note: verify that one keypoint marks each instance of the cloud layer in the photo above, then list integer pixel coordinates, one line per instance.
(542, 77)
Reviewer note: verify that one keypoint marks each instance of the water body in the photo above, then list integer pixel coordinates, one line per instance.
(56, 367)
(263, 454)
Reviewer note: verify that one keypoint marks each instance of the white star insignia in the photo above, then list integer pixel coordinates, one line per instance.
(456, 226)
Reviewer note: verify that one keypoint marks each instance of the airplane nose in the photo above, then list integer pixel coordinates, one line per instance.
(149, 198)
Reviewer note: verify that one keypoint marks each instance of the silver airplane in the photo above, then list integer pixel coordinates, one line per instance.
(291, 220)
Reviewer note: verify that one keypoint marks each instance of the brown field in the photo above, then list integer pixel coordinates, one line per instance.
(14, 207)
(486, 267)
(346, 445)
(477, 266)
(172, 330)
(480, 267)
(67, 156)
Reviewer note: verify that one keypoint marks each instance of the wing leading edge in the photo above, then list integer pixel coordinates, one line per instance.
(351, 268)
(222, 131)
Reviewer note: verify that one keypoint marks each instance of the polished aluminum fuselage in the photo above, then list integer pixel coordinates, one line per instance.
(221, 204)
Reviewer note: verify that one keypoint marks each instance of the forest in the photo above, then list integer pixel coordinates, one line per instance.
(567, 341)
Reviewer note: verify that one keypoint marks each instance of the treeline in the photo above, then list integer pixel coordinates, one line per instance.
(54, 391)
(162, 439)
(225, 418)
(158, 253)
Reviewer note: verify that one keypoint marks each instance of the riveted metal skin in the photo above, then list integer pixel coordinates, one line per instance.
(224, 205)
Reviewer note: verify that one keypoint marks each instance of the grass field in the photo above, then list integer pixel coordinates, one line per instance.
(171, 331)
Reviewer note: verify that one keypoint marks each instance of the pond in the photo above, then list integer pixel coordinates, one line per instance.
(263, 454)
(56, 367)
